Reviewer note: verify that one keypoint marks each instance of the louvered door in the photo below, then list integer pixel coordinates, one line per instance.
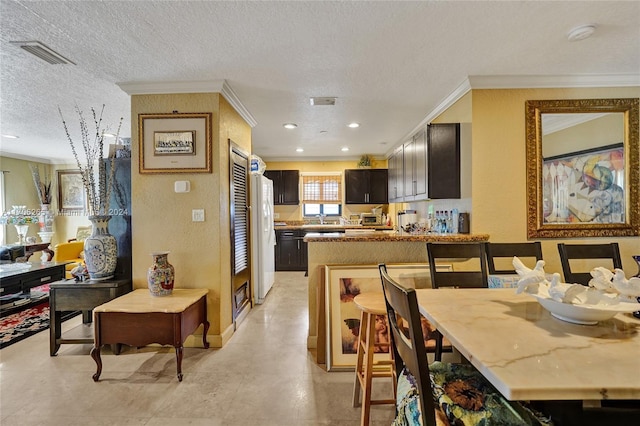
(239, 181)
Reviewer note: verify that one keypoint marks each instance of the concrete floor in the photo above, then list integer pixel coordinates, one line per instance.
(264, 376)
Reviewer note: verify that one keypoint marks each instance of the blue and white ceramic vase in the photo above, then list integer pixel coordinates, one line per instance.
(100, 249)
(160, 275)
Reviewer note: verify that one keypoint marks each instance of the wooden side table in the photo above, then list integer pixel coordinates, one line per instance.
(68, 295)
(139, 319)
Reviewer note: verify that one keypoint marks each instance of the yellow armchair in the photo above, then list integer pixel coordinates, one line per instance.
(69, 252)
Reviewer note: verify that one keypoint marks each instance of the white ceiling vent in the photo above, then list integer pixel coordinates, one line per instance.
(43, 52)
(323, 101)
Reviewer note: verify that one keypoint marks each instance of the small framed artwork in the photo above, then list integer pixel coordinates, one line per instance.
(343, 284)
(175, 143)
(71, 192)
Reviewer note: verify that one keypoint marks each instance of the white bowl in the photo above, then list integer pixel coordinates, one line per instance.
(585, 314)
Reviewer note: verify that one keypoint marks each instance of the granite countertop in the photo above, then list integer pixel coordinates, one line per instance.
(317, 227)
(386, 236)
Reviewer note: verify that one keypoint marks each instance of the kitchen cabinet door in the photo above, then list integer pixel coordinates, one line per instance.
(366, 186)
(291, 251)
(378, 186)
(444, 160)
(396, 175)
(285, 186)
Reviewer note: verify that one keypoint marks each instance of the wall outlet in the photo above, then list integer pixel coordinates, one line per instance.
(276, 215)
(197, 215)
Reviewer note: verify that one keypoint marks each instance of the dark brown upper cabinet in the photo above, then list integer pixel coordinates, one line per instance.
(366, 186)
(285, 186)
(443, 153)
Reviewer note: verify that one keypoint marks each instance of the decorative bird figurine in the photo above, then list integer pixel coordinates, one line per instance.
(627, 287)
(530, 279)
(566, 293)
(602, 280)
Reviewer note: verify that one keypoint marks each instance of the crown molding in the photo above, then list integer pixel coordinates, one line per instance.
(209, 86)
(553, 81)
(521, 82)
(462, 89)
(233, 99)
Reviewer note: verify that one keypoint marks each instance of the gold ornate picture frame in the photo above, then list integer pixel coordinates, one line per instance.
(175, 143)
(588, 185)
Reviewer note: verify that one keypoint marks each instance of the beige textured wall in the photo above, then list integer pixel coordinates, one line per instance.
(499, 176)
(20, 190)
(161, 218)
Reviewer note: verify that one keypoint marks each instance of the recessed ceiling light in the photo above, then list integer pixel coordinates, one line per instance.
(353, 125)
(290, 125)
(345, 148)
(109, 135)
(581, 32)
(11, 136)
(299, 150)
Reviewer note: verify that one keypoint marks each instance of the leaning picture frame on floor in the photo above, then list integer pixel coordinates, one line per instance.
(342, 317)
(175, 143)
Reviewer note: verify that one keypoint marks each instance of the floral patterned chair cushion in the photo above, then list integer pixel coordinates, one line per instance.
(462, 397)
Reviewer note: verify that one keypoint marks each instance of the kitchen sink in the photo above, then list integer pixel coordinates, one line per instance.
(323, 225)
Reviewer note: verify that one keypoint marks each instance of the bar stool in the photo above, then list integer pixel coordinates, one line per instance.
(367, 369)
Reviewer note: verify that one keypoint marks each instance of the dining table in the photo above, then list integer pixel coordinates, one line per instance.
(528, 354)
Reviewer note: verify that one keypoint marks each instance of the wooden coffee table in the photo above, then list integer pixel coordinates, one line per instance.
(140, 319)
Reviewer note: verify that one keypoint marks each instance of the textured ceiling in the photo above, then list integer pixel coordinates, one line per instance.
(388, 63)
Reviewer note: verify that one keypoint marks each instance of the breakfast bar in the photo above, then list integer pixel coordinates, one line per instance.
(140, 319)
(365, 248)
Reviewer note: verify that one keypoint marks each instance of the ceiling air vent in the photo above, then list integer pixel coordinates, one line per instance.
(323, 101)
(43, 52)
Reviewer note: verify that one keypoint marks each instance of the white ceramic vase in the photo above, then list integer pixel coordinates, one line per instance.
(100, 250)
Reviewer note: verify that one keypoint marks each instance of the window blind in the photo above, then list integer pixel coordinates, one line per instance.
(322, 189)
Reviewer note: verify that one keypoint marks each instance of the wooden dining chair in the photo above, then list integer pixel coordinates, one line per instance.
(607, 255)
(506, 251)
(468, 278)
(473, 276)
(452, 393)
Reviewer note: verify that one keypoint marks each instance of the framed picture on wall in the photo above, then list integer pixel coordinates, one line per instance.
(71, 192)
(175, 143)
(343, 283)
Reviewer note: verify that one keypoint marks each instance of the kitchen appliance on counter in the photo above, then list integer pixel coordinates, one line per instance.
(263, 237)
(370, 219)
(405, 218)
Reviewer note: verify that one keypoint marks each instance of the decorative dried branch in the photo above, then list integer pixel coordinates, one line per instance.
(43, 186)
(98, 192)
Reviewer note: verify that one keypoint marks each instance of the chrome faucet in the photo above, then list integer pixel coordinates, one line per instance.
(321, 216)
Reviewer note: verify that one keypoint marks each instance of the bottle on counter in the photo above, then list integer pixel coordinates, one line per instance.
(454, 220)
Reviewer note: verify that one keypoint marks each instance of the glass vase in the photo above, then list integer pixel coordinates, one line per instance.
(22, 233)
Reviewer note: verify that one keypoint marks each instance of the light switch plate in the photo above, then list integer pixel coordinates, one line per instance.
(197, 215)
(182, 186)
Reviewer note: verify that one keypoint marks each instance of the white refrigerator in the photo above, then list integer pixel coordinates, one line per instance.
(263, 237)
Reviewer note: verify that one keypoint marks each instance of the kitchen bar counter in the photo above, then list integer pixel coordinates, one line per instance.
(362, 249)
(394, 237)
(336, 227)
